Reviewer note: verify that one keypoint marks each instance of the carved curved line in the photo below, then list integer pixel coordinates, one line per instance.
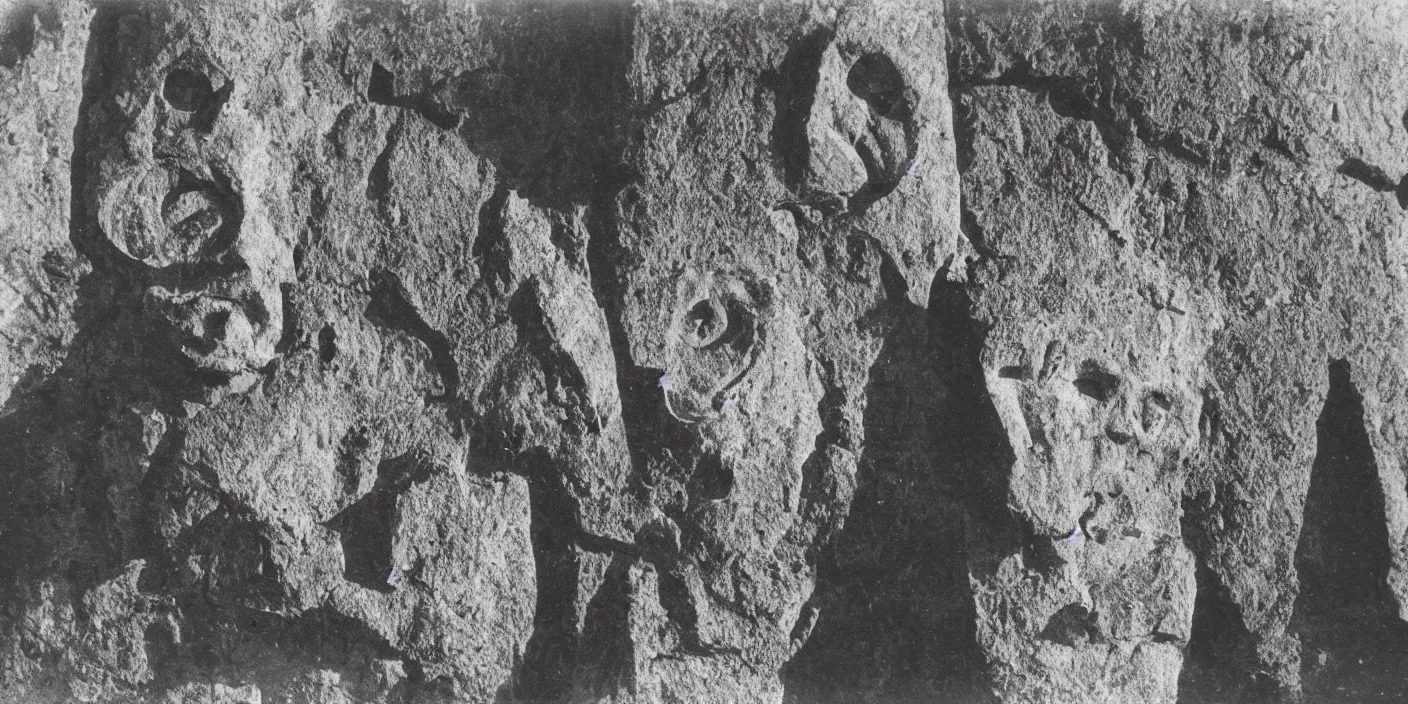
(753, 352)
(671, 409)
(717, 398)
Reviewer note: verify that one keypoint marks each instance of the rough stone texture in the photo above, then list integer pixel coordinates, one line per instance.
(41, 64)
(789, 193)
(1230, 167)
(680, 352)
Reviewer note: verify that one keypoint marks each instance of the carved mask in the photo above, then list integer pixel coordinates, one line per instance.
(1100, 421)
(861, 132)
(184, 195)
(1095, 423)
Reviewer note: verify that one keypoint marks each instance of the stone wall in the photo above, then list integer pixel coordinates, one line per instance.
(882, 351)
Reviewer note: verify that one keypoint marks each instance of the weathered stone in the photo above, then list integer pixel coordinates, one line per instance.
(752, 294)
(651, 352)
(41, 67)
(1211, 162)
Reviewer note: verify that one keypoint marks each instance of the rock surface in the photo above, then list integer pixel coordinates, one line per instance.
(643, 352)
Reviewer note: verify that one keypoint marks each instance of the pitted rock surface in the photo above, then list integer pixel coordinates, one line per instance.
(879, 351)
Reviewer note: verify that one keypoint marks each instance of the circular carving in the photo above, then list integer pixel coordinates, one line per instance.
(707, 323)
(714, 344)
(188, 90)
(192, 216)
(161, 219)
(875, 79)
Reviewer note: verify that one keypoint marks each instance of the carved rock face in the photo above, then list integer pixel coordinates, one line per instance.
(1088, 424)
(444, 348)
(1102, 594)
(861, 130)
(739, 392)
(186, 191)
(740, 386)
(731, 362)
(713, 344)
(752, 299)
(346, 471)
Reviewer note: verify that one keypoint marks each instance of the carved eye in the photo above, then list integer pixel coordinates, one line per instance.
(707, 323)
(713, 349)
(1015, 371)
(1096, 383)
(162, 218)
(875, 79)
(192, 215)
(188, 90)
(715, 479)
(1154, 410)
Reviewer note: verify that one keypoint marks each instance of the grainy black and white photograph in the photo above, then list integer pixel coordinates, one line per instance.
(703, 352)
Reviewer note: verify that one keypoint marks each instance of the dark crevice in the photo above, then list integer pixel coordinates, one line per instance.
(1367, 174)
(314, 228)
(648, 424)
(963, 133)
(1219, 666)
(17, 32)
(226, 557)
(189, 89)
(607, 665)
(793, 85)
(391, 308)
(1116, 116)
(381, 86)
(1277, 140)
(1015, 372)
(550, 657)
(381, 89)
(973, 479)
(1083, 523)
(875, 79)
(607, 257)
(713, 478)
(976, 236)
(1073, 625)
(379, 178)
(99, 57)
(368, 527)
(327, 344)
(680, 606)
(1113, 234)
(694, 86)
(1065, 94)
(861, 248)
(355, 451)
(220, 643)
(1353, 644)
(166, 478)
(602, 545)
(490, 242)
(897, 621)
(1185, 147)
(288, 336)
(1069, 97)
(567, 386)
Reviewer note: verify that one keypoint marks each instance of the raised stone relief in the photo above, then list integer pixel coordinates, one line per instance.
(749, 313)
(1098, 602)
(183, 197)
(649, 352)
